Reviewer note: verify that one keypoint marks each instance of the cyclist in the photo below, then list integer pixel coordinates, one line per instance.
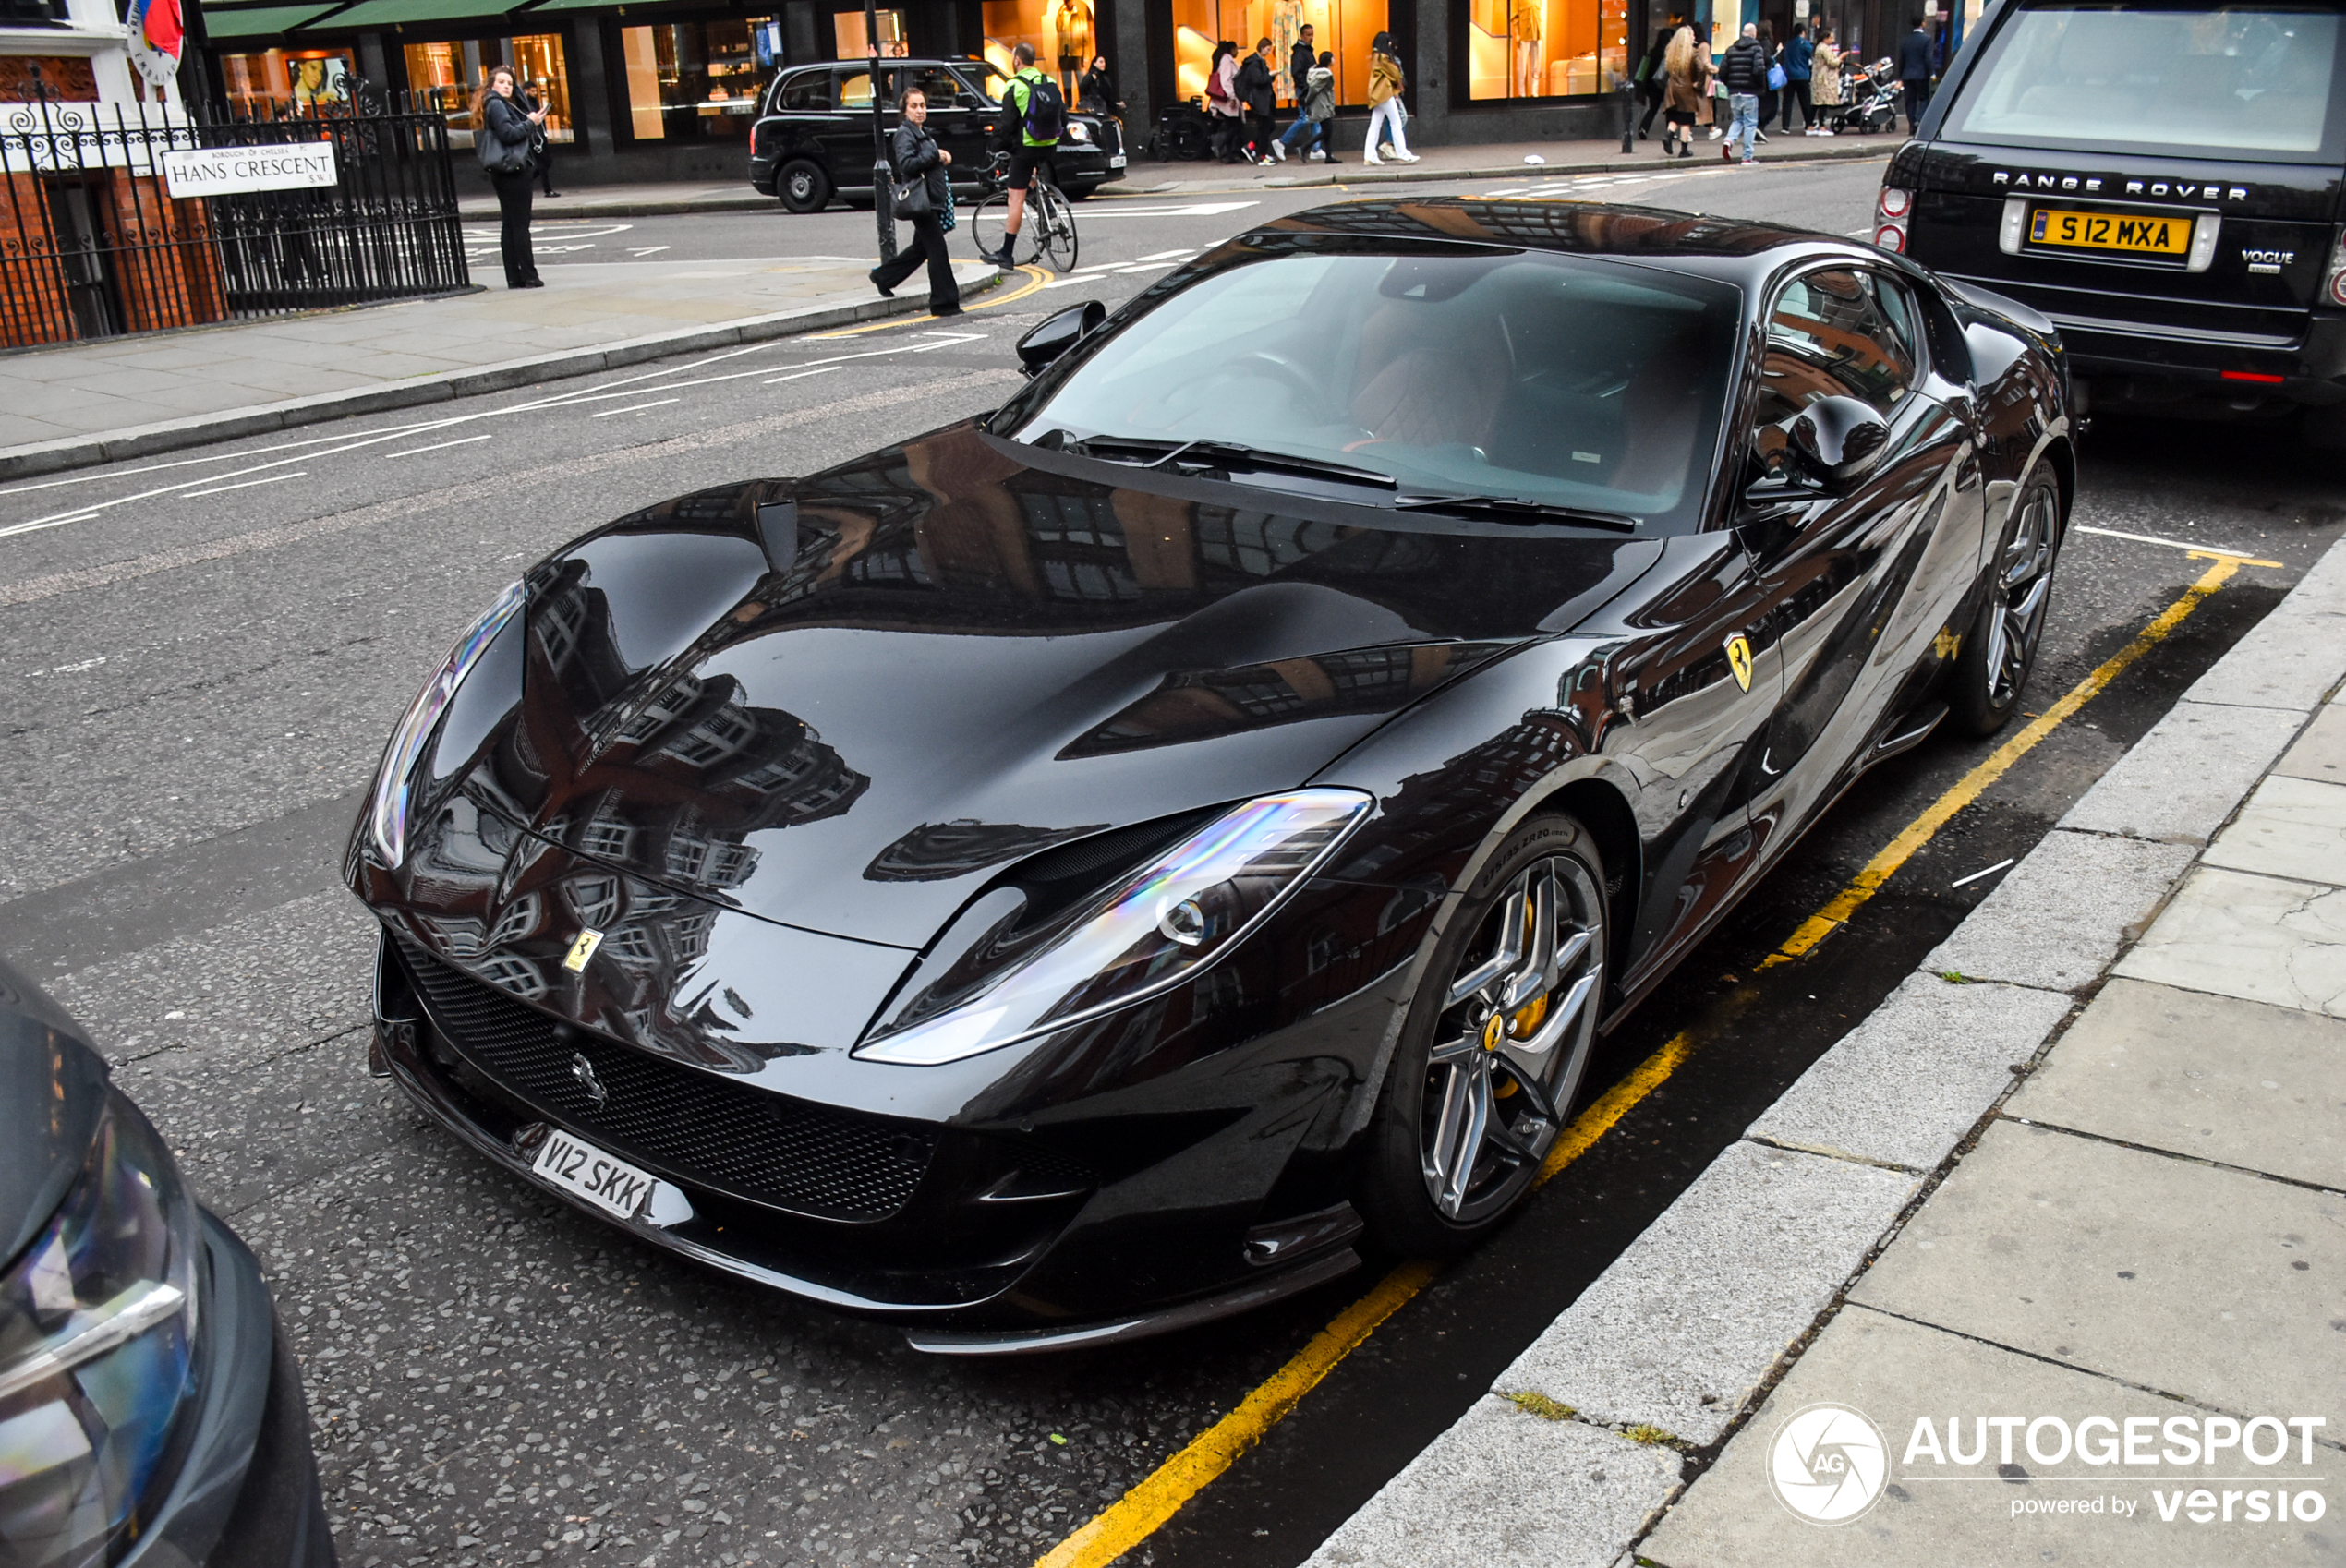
(1034, 114)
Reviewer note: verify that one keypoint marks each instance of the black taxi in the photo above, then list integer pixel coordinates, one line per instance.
(2162, 179)
(813, 136)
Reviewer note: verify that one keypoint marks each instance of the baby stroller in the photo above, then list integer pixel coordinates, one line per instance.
(1870, 100)
(1182, 132)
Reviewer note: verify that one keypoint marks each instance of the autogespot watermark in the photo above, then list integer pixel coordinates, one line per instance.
(1829, 1463)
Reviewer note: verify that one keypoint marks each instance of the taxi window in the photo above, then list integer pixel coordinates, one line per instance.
(809, 92)
(942, 88)
(855, 89)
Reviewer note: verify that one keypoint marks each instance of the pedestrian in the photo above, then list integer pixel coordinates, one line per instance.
(1300, 58)
(1744, 72)
(502, 131)
(1799, 71)
(1314, 110)
(1096, 90)
(542, 150)
(1714, 97)
(1032, 116)
(1914, 73)
(1258, 95)
(1687, 83)
(1222, 102)
(1387, 113)
(1824, 88)
(917, 158)
(1653, 74)
(1768, 89)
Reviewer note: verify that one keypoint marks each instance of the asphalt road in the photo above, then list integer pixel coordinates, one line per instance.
(203, 654)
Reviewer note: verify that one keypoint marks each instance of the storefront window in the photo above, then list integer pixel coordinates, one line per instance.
(308, 79)
(1342, 27)
(1065, 35)
(847, 35)
(1545, 48)
(697, 81)
(445, 77)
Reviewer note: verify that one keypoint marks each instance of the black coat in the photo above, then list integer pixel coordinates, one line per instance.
(1254, 85)
(1744, 68)
(914, 152)
(506, 123)
(1914, 58)
(1299, 61)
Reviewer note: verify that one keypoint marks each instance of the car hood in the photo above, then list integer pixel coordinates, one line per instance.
(843, 703)
(52, 1090)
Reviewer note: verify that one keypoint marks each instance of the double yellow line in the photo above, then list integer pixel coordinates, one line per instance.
(1035, 278)
(1136, 1516)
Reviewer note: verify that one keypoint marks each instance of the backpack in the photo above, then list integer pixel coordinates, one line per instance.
(1046, 110)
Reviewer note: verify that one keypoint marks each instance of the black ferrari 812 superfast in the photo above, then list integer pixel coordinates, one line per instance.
(1120, 859)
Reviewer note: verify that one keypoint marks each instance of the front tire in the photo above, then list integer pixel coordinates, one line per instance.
(1493, 1047)
(2000, 652)
(803, 187)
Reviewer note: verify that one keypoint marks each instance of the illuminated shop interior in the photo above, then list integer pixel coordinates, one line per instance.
(445, 76)
(699, 81)
(1065, 35)
(1343, 27)
(1545, 48)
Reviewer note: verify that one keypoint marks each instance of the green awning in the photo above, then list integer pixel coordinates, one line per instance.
(389, 13)
(570, 5)
(258, 21)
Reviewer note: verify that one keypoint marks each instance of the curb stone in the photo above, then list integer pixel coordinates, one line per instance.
(82, 451)
(1837, 1105)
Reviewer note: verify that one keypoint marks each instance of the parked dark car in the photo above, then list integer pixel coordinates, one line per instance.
(151, 1411)
(813, 140)
(2162, 179)
(1100, 865)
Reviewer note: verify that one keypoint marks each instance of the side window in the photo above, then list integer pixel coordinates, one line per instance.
(1837, 333)
(855, 88)
(943, 87)
(808, 91)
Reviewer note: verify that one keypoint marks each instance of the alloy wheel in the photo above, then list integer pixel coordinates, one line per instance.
(2024, 584)
(1514, 1022)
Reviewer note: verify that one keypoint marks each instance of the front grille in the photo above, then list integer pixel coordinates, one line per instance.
(688, 1125)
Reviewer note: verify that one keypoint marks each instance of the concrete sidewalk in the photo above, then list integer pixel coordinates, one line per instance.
(119, 397)
(2109, 1331)
(1498, 160)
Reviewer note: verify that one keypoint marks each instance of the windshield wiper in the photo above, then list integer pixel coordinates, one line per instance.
(1141, 452)
(1517, 509)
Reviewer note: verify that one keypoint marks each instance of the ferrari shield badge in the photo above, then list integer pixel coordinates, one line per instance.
(590, 939)
(1738, 660)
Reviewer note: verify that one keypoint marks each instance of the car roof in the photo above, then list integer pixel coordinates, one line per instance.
(1736, 248)
(890, 64)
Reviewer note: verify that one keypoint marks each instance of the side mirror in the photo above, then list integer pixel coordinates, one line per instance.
(1054, 335)
(1838, 437)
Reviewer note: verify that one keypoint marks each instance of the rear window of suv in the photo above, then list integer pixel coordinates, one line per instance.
(2256, 81)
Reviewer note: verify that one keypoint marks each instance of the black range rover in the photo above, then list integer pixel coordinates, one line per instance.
(813, 138)
(2161, 178)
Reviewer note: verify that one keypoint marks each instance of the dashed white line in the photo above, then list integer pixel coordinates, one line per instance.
(248, 484)
(1167, 255)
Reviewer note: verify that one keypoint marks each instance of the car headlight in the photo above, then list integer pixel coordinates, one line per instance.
(1078, 131)
(1144, 936)
(97, 1329)
(387, 808)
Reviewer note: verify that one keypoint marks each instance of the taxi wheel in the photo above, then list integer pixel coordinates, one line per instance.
(1493, 1046)
(804, 187)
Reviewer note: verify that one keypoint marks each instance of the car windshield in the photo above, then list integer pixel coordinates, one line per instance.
(988, 80)
(1525, 376)
(2252, 81)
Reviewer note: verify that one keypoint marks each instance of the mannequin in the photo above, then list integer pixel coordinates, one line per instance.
(1071, 27)
(1286, 26)
(1523, 27)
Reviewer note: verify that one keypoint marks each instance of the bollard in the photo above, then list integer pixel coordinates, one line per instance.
(1628, 115)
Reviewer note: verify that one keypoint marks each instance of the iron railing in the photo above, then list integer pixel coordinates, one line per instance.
(92, 243)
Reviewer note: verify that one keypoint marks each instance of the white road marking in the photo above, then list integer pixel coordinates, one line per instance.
(2170, 544)
(638, 409)
(439, 446)
(46, 523)
(1194, 210)
(802, 375)
(1142, 267)
(1167, 255)
(648, 250)
(103, 473)
(246, 484)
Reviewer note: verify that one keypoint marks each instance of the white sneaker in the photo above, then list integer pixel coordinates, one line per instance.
(1371, 157)
(1278, 150)
(1761, 134)
(1716, 133)
(1407, 157)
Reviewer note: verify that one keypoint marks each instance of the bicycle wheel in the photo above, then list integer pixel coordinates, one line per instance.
(985, 225)
(1054, 224)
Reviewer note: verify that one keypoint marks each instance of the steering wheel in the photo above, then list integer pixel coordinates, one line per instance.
(1285, 369)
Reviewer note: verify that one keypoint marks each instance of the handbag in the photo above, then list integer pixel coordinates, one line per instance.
(909, 199)
(497, 155)
(1776, 78)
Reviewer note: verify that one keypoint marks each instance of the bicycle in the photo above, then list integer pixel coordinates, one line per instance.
(1047, 230)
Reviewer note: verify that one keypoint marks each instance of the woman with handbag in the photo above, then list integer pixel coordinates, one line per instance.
(502, 132)
(921, 197)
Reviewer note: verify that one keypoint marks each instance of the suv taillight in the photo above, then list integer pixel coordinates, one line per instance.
(2334, 285)
(1890, 217)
